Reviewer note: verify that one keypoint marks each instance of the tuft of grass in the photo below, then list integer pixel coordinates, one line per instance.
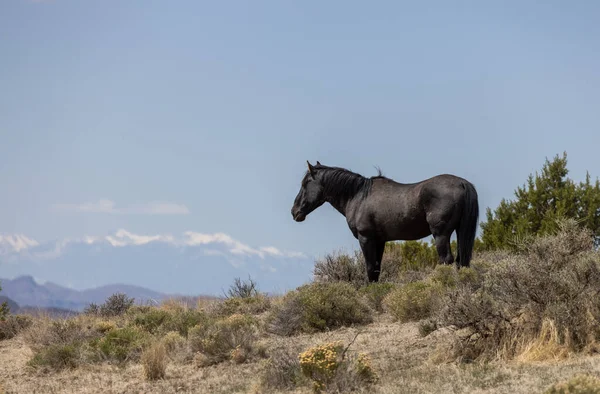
(318, 307)
(154, 361)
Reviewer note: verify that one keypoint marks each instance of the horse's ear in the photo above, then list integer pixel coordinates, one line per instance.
(318, 163)
(311, 169)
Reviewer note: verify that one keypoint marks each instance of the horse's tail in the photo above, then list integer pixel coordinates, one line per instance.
(468, 224)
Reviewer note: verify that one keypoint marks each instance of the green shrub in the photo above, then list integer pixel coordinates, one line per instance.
(319, 307)
(182, 321)
(153, 320)
(222, 340)
(252, 305)
(445, 275)
(122, 344)
(579, 384)
(56, 357)
(413, 301)
(375, 293)
(160, 321)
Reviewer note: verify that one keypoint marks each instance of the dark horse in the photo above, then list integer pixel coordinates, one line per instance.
(379, 209)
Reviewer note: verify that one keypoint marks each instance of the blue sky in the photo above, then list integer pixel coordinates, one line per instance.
(164, 117)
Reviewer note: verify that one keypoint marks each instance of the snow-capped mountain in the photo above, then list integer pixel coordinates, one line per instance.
(188, 264)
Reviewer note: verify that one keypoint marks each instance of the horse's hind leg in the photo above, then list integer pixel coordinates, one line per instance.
(442, 244)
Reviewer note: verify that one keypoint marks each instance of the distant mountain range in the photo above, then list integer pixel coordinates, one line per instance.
(26, 292)
(71, 273)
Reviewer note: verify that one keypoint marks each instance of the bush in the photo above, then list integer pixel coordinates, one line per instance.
(216, 340)
(318, 307)
(375, 293)
(340, 267)
(159, 321)
(328, 368)
(413, 301)
(153, 320)
(253, 305)
(154, 361)
(320, 363)
(286, 317)
(12, 325)
(122, 344)
(579, 384)
(115, 305)
(45, 332)
(535, 304)
(176, 347)
(56, 357)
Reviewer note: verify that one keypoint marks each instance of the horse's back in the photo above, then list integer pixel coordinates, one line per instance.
(404, 211)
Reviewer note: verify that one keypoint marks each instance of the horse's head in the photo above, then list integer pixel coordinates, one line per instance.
(310, 196)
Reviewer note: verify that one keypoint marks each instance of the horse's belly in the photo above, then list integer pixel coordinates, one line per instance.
(406, 229)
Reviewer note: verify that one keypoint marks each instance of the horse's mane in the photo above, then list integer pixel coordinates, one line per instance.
(337, 180)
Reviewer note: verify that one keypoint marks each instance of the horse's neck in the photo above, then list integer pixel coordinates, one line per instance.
(341, 202)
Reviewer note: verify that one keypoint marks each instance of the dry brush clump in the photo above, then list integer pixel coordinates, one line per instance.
(232, 338)
(539, 303)
(59, 343)
(579, 384)
(281, 371)
(115, 305)
(318, 307)
(12, 325)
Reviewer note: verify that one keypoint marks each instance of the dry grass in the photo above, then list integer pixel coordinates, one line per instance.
(154, 361)
(399, 356)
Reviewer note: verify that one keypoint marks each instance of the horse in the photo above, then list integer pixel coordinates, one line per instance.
(379, 209)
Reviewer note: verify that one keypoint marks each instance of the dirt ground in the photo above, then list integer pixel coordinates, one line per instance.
(400, 356)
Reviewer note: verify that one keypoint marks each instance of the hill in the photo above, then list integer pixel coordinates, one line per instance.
(25, 291)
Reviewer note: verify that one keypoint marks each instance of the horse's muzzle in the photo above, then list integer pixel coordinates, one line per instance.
(298, 216)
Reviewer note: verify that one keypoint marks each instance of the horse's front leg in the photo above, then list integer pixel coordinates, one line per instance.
(370, 248)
